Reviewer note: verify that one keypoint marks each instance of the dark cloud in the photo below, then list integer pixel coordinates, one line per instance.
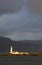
(28, 25)
(35, 6)
(20, 22)
(9, 6)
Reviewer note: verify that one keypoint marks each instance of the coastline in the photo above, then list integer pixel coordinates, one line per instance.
(9, 54)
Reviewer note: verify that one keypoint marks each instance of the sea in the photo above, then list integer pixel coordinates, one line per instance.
(20, 60)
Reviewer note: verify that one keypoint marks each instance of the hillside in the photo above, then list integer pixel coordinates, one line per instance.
(25, 45)
(5, 44)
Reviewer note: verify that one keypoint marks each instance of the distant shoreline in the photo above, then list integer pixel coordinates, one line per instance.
(8, 54)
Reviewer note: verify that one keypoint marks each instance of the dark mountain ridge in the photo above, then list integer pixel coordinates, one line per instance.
(23, 45)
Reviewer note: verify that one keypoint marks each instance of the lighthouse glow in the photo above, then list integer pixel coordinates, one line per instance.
(11, 49)
(16, 52)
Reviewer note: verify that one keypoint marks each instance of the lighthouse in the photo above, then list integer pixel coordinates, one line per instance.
(16, 52)
(11, 50)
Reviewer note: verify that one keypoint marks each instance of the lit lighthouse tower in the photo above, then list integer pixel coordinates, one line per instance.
(11, 50)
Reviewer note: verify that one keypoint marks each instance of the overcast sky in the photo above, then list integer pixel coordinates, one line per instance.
(21, 19)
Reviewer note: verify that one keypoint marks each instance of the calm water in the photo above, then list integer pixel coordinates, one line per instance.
(20, 60)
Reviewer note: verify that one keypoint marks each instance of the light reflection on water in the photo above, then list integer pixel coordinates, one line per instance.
(23, 60)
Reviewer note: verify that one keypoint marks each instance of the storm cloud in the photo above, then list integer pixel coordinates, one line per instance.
(35, 6)
(18, 16)
(9, 6)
